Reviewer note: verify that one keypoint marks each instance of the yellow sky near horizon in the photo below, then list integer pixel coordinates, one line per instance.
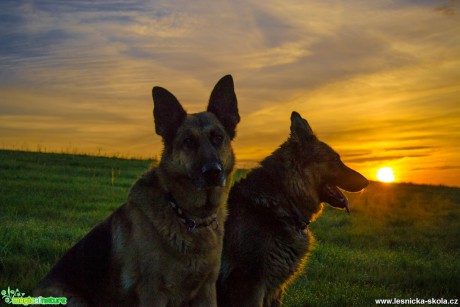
(378, 81)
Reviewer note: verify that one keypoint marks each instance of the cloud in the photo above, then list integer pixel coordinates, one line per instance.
(383, 158)
(408, 148)
(443, 167)
(370, 77)
(450, 9)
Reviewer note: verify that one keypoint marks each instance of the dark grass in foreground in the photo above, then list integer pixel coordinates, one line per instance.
(400, 240)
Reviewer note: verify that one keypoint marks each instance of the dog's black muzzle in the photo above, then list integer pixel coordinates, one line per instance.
(213, 174)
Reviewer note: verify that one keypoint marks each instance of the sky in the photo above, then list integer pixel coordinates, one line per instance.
(379, 81)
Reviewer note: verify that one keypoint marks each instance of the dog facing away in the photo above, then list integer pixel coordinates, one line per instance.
(163, 246)
(266, 239)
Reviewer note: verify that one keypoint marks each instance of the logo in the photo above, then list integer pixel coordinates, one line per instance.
(8, 295)
(16, 297)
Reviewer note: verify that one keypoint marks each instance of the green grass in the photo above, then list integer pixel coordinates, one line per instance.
(48, 202)
(400, 240)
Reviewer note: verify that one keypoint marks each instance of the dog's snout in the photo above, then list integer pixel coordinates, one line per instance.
(211, 171)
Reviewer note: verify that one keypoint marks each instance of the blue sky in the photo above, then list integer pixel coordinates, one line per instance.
(377, 80)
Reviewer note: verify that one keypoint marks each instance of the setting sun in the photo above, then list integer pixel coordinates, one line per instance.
(385, 174)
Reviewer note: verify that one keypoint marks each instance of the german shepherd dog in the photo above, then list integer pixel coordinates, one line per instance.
(266, 239)
(163, 246)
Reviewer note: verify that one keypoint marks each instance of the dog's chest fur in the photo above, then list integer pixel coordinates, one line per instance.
(187, 259)
(285, 256)
(277, 250)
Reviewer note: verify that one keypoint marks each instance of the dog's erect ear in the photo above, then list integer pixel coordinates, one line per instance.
(300, 127)
(224, 105)
(168, 113)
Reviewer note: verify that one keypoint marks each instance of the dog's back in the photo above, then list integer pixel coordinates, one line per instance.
(86, 274)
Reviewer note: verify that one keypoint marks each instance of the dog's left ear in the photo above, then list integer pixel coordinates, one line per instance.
(224, 105)
(300, 127)
(168, 113)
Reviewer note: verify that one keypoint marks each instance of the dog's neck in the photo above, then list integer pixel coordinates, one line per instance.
(284, 207)
(276, 186)
(200, 204)
(189, 221)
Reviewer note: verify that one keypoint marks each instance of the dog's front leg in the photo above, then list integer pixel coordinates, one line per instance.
(274, 299)
(206, 296)
(147, 296)
(247, 294)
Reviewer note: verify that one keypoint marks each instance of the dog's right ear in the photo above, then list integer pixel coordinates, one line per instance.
(224, 105)
(168, 113)
(300, 128)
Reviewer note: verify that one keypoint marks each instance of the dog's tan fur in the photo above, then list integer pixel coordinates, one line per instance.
(144, 254)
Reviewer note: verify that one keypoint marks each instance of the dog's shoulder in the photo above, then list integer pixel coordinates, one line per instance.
(149, 180)
(146, 189)
(147, 202)
(258, 189)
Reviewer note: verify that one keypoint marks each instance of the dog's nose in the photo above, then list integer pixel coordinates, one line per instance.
(212, 171)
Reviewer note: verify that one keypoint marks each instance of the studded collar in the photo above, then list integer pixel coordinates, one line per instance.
(190, 222)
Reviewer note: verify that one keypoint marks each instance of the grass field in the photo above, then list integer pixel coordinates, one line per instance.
(400, 240)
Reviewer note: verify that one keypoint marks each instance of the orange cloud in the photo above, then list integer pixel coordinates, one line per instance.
(377, 81)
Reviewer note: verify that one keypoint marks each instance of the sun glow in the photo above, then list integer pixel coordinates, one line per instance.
(385, 174)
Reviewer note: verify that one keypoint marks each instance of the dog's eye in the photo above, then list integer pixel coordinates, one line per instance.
(190, 143)
(217, 139)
